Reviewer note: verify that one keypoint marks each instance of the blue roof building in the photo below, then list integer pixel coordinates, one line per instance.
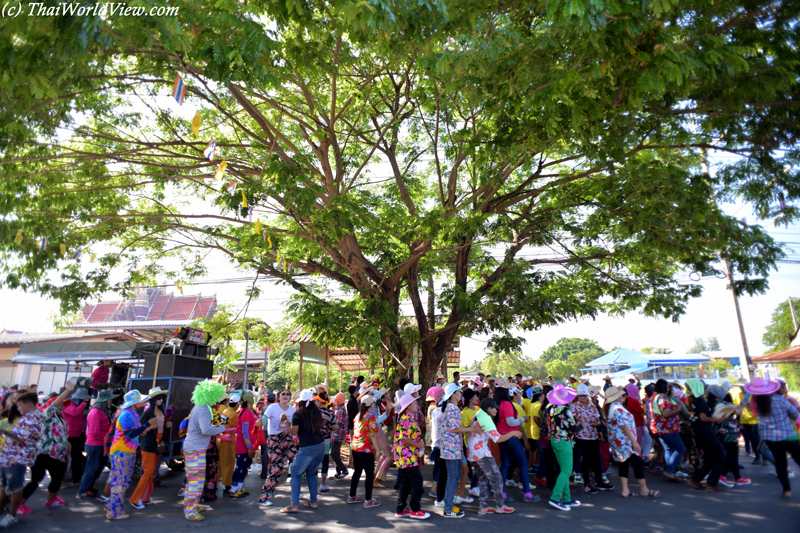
(623, 362)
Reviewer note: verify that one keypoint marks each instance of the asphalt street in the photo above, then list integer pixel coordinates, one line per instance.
(754, 508)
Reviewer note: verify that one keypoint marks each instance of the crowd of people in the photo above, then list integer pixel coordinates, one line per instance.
(482, 436)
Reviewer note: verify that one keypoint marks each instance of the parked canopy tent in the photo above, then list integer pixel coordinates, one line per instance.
(69, 353)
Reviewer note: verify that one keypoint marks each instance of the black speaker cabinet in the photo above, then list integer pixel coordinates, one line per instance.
(179, 366)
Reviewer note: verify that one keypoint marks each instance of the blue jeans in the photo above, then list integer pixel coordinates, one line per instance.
(306, 462)
(673, 451)
(541, 468)
(435, 458)
(509, 448)
(95, 462)
(453, 476)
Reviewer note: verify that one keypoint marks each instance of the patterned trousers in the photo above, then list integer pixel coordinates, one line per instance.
(195, 479)
(281, 447)
(121, 473)
(212, 460)
(144, 489)
(489, 478)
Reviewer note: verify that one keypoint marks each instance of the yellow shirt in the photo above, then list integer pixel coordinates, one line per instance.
(526, 428)
(526, 404)
(535, 409)
(467, 415)
(747, 418)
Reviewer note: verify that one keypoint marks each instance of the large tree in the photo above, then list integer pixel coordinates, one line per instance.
(782, 327)
(522, 163)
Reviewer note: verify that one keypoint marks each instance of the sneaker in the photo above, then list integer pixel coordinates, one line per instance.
(511, 483)
(579, 479)
(60, 500)
(371, 503)
(405, 512)
(8, 520)
(225, 492)
(84, 496)
(24, 509)
(530, 498)
(742, 481)
(605, 486)
(354, 499)
(539, 481)
(589, 489)
(93, 493)
(681, 474)
(791, 475)
(475, 492)
(459, 499)
(324, 488)
(439, 503)
(103, 498)
(265, 503)
(419, 515)
(432, 494)
(559, 505)
(340, 476)
(727, 484)
(195, 517)
(572, 503)
(455, 513)
(241, 493)
(605, 479)
(139, 505)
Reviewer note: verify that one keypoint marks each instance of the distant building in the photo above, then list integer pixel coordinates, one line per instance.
(149, 305)
(622, 362)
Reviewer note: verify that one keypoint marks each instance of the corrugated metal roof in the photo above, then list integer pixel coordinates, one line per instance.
(790, 355)
(15, 339)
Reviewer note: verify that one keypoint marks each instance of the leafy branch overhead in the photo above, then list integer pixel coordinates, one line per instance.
(521, 163)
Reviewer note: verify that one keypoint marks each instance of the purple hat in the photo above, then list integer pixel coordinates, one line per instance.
(561, 395)
(761, 387)
(405, 401)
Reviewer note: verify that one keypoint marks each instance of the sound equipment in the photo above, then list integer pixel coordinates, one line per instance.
(170, 365)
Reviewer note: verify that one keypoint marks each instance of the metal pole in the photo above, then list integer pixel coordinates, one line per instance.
(246, 346)
(158, 358)
(747, 361)
(66, 373)
(794, 316)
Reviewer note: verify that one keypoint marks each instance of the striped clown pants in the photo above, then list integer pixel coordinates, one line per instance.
(195, 479)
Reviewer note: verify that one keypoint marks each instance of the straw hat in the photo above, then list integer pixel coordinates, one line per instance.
(613, 394)
(157, 391)
(724, 411)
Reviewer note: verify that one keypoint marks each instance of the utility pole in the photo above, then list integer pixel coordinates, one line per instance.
(747, 361)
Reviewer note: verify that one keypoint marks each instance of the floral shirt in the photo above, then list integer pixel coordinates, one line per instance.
(54, 440)
(328, 419)
(618, 417)
(28, 429)
(406, 429)
(451, 443)
(429, 427)
(660, 425)
(587, 416)
(362, 429)
(559, 419)
(340, 416)
(478, 443)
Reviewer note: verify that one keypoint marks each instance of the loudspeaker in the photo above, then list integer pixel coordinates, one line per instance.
(179, 366)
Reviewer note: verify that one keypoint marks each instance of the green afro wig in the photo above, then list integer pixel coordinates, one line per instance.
(208, 392)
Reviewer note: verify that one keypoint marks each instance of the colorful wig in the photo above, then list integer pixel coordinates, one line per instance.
(208, 392)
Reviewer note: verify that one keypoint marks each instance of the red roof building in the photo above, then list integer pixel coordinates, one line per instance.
(149, 305)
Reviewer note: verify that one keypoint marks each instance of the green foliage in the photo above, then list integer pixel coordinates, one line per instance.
(507, 364)
(791, 373)
(698, 346)
(723, 365)
(565, 347)
(652, 349)
(781, 329)
(559, 369)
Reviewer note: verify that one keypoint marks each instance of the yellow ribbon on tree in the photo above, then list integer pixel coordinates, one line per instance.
(221, 170)
(63, 248)
(18, 238)
(244, 200)
(196, 124)
(257, 227)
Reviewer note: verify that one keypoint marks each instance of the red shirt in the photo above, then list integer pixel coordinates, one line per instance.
(97, 425)
(73, 416)
(245, 416)
(506, 410)
(635, 407)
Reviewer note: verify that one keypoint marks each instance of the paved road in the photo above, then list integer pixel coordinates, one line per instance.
(754, 508)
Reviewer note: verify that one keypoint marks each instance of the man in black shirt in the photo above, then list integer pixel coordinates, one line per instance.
(352, 412)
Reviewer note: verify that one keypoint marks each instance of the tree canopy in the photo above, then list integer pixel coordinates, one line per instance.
(781, 329)
(522, 163)
(566, 347)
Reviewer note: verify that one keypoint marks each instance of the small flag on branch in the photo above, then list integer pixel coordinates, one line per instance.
(179, 287)
(196, 124)
(781, 202)
(277, 256)
(77, 254)
(18, 238)
(42, 244)
(269, 241)
(208, 153)
(231, 188)
(244, 200)
(257, 227)
(63, 249)
(221, 170)
(179, 89)
(264, 235)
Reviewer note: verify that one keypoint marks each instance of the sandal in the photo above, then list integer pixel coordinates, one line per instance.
(288, 509)
(630, 495)
(311, 505)
(653, 494)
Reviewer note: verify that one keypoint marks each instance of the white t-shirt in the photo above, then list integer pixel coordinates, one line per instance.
(273, 418)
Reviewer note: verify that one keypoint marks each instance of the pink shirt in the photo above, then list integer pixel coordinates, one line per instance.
(97, 426)
(506, 410)
(100, 375)
(73, 416)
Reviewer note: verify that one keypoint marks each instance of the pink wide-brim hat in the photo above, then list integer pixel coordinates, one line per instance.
(561, 395)
(434, 394)
(761, 386)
